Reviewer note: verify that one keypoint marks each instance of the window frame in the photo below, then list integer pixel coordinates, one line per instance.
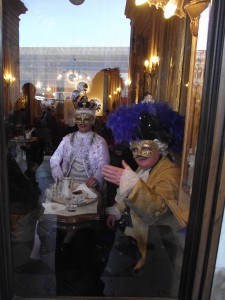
(205, 219)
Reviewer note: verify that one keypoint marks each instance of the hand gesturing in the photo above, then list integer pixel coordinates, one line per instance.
(113, 174)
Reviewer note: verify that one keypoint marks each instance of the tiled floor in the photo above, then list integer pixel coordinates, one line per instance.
(75, 270)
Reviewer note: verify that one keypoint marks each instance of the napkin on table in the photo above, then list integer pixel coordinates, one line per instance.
(89, 193)
(53, 207)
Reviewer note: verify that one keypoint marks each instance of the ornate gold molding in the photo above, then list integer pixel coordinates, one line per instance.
(166, 5)
(194, 9)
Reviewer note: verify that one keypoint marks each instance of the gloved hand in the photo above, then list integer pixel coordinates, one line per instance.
(57, 172)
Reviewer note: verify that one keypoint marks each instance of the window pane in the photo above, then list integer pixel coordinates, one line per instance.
(219, 273)
(65, 50)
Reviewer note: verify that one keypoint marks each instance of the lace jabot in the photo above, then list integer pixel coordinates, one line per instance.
(128, 180)
(82, 143)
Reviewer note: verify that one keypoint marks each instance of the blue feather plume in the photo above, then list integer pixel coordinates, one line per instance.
(126, 123)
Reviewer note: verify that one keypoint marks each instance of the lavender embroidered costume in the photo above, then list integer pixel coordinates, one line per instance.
(88, 148)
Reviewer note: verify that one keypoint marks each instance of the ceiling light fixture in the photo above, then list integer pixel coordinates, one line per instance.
(171, 7)
(77, 2)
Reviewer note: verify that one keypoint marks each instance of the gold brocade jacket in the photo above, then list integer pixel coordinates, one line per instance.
(148, 201)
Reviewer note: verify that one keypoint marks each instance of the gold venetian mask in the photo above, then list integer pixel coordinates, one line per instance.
(144, 148)
(84, 119)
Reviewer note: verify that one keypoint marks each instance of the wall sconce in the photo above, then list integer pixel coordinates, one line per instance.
(153, 69)
(59, 77)
(170, 7)
(48, 89)
(146, 64)
(194, 9)
(154, 66)
(118, 90)
(9, 79)
(127, 82)
(38, 85)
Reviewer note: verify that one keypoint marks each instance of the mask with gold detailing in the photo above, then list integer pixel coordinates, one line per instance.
(143, 148)
(84, 109)
(84, 119)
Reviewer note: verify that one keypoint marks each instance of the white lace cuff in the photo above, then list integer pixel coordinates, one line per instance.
(127, 182)
(113, 210)
(56, 172)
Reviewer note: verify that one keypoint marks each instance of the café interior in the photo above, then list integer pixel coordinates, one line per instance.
(176, 53)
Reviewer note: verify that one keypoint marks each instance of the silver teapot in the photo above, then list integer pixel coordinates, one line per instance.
(65, 187)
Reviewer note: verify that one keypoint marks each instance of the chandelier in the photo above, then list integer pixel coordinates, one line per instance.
(74, 76)
(170, 7)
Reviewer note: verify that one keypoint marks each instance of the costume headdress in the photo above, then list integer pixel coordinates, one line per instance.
(83, 105)
(84, 109)
(148, 121)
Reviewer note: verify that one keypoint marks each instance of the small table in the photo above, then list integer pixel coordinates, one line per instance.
(22, 141)
(15, 146)
(87, 216)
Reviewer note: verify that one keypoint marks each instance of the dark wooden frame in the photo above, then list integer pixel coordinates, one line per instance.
(6, 281)
(201, 246)
(207, 201)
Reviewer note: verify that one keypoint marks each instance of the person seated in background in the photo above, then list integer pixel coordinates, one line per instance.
(50, 130)
(23, 197)
(68, 115)
(34, 151)
(83, 153)
(147, 98)
(141, 198)
(26, 114)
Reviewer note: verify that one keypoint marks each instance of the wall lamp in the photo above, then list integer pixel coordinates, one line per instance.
(118, 90)
(9, 79)
(146, 64)
(152, 66)
(170, 7)
(127, 82)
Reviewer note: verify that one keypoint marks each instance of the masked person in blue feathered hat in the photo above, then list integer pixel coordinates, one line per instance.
(154, 133)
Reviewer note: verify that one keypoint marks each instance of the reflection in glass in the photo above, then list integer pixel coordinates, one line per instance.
(218, 288)
(44, 265)
(195, 100)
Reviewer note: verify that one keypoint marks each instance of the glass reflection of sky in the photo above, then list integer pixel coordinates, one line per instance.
(58, 23)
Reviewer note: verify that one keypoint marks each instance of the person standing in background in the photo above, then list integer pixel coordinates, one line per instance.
(69, 111)
(27, 109)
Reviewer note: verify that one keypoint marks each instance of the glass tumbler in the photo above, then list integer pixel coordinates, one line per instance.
(71, 203)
